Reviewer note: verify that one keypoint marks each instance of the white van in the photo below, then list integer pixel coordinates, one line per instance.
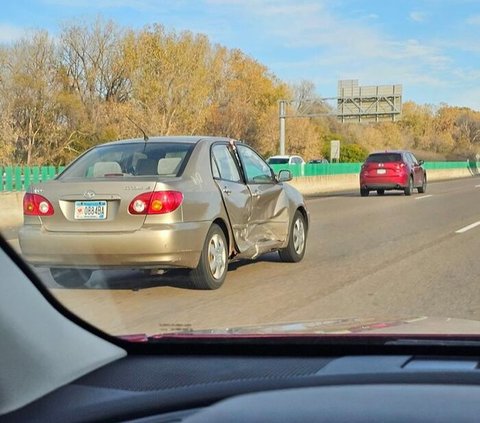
(285, 160)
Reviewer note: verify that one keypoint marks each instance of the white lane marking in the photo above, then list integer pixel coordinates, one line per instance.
(467, 228)
(423, 196)
(477, 186)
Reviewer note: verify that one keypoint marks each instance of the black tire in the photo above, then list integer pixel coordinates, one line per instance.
(297, 240)
(70, 277)
(380, 192)
(364, 192)
(409, 189)
(423, 188)
(213, 265)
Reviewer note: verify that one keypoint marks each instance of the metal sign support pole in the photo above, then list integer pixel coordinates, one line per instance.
(282, 105)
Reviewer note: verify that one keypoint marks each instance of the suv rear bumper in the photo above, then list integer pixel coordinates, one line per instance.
(382, 186)
(381, 182)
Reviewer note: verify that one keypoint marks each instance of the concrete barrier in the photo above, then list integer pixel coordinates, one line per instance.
(11, 208)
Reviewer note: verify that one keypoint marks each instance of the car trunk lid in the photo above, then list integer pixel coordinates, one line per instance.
(383, 169)
(91, 206)
(383, 164)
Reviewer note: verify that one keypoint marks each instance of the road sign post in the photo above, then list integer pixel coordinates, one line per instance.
(334, 151)
(282, 114)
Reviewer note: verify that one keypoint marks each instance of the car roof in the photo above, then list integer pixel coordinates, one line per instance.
(390, 152)
(192, 139)
(283, 157)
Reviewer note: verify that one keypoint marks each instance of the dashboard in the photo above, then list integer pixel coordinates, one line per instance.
(220, 388)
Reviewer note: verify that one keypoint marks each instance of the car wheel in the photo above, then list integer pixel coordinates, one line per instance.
(295, 249)
(409, 189)
(364, 192)
(69, 277)
(213, 265)
(423, 188)
(380, 191)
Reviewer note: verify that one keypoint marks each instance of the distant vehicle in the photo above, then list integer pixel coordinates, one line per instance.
(317, 161)
(392, 170)
(285, 160)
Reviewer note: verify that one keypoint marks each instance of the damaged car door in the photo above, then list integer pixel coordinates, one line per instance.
(235, 194)
(269, 220)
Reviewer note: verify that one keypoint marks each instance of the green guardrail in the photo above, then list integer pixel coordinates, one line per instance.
(19, 178)
(319, 169)
(323, 169)
(450, 165)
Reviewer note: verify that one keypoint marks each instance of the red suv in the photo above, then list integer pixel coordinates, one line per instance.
(388, 170)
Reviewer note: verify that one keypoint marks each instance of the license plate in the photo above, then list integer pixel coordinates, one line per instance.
(90, 210)
(381, 171)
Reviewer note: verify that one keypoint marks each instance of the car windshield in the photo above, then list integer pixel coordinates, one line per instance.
(246, 168)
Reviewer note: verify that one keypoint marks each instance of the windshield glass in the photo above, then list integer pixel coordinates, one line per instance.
(316, 173)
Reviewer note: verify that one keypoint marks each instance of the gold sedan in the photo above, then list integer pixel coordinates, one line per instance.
(162, 203)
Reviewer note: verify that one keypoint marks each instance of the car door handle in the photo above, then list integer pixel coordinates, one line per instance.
(226, 191)
(256, 193)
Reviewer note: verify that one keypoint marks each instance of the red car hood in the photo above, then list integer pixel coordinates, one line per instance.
(410, 326)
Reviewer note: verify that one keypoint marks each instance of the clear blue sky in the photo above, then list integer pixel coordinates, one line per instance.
(432, 47)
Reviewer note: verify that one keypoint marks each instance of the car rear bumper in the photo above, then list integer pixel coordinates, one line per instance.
(382, 186)
(158, 246)
(379, 182)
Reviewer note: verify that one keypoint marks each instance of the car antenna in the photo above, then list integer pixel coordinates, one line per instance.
(145, 136)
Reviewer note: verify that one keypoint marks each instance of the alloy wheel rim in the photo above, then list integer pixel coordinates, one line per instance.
(298, 236)
(217, 256)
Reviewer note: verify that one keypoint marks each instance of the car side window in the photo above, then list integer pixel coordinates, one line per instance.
(256, 169)
(408, 159)
(215, 171)
(297, 160)
(223, 165)
(413, 159)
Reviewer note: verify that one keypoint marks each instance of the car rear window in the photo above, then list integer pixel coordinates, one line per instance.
(278, 161)
(384, 158)
(137, 159)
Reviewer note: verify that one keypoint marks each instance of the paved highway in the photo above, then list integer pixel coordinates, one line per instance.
(380, 256)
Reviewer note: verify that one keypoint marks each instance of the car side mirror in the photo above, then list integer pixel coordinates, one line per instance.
(421, 162)
(284, 176)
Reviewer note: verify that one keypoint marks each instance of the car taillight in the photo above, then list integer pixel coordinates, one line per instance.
(158, 202)
(36, 205)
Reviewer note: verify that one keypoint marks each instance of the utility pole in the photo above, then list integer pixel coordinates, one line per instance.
(306, 113)
(282, 115)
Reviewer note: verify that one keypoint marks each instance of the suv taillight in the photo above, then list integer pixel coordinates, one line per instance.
(158, 202)
(36, 205)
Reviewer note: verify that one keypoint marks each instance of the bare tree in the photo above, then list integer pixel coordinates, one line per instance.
(94, 63)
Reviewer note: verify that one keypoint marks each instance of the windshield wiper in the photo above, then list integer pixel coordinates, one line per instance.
(441, 342)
